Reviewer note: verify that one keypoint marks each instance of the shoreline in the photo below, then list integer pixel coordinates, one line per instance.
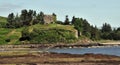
(46, 58)
(26, 57)
(74, 45)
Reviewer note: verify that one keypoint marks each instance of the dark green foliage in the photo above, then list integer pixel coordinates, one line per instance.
(59, 22)
(106, 28)
(41, 18)
(10, 20)
(26, 18)
(86, 28)
(95, 33)
(78, 25)
(51, 36)
(106, 31)
(73, 20)
(67, 22)
(114, 35)
(118, 29)
(25, 34)
(7, 40)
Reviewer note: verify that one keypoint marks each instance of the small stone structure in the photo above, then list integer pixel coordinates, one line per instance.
(48, 19)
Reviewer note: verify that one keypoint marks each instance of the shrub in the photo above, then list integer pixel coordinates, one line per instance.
(7, 40)
(52, 36)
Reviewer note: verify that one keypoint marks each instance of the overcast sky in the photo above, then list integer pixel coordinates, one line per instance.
(96, 12)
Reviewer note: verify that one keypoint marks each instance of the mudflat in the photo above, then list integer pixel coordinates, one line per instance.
(47, 58)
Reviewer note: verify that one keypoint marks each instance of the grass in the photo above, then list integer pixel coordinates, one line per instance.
(3, 19)
(13, 53)
(58, 26)
(12, 34)
(15, 34)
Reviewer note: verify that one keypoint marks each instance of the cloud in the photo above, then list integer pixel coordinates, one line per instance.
(8, 7)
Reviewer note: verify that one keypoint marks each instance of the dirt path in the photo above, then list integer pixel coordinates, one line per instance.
(13, 31)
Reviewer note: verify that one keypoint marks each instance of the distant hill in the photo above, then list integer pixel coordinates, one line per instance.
(3, 19)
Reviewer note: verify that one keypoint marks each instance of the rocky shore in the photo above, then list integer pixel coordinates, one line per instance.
(23, 57)
(46, 58)
(48, 46)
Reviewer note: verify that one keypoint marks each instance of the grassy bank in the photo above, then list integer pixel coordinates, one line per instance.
(48, 31)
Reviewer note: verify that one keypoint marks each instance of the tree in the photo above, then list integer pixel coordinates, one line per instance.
(24, 16)
(95, 33)
(86, 28)
(54, 17)
(34, 14)
(10, 20)
(41, 17)
(78, 26)
(67, 20)
(106, 28)
(73, 20)
(118, 29)
(18, 24)
(25, 34)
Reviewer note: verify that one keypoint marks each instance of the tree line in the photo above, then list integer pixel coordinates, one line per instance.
(93, 32)
(26, 18)
(30, 17)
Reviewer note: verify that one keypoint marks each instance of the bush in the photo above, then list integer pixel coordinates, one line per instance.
(52, 36)
(7, 40)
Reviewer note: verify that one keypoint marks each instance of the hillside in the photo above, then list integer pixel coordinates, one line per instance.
(13, 35)
(3, 21)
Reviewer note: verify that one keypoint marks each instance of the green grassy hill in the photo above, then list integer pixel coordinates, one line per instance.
(3, 21)
(14, 34)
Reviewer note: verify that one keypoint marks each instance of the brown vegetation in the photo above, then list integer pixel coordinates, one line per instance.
(46, 58)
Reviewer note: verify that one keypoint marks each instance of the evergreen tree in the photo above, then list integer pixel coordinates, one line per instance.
(118, 29)
(95, 33)
(17, 22)
(86, 28)
(54, 17)
(34, 14)
(24, 16)
(78, 26)
(67, 20)
(106, 28)
(41, 18)
(73, 20)
(10, 21)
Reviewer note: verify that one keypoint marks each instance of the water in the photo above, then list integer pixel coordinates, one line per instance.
(103, 50)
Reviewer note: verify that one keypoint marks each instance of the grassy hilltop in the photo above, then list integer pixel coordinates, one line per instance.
(15, 34)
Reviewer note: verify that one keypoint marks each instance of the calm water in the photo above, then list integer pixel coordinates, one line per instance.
(104, 50)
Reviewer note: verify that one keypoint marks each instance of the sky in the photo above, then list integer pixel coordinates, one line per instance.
(96, 12)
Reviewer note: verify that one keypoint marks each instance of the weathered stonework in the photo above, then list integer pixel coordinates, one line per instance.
(48, 19)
